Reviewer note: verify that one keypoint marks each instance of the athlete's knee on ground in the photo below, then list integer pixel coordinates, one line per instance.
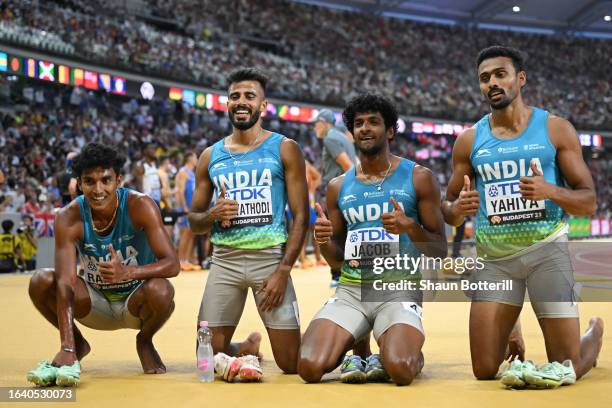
(402, 370)
(41, 282)
(311, 368)
(485, 369)
(287, 363)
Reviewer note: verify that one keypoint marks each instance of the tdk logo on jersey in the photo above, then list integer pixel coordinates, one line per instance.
(251, 193)
(509, 188)
(482, 153)
(371, 235)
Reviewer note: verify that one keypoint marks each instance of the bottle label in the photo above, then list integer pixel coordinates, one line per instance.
(203, 364)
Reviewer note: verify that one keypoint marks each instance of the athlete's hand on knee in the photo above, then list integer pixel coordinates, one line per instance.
(113, 271)
(225, 210)
(396, 221)
(64, 358)
(323, 227)
(468, 202)
(535, 188)
(273, 289)
(516, 345)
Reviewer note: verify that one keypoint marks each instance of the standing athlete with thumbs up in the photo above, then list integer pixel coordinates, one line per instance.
(125, 259)
(528, 171)
(384, 207)
(255, 173)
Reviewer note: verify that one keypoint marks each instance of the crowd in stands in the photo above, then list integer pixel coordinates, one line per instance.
(322, 55)
(41, 124)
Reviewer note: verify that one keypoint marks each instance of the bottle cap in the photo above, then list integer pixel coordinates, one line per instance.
(203, 323)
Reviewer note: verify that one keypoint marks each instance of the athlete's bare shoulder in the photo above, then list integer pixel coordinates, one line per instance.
(69, 220)
(336, 182)
(560, 130)
(422, 172)
(290, 150)
(141, 208)
(466, 138)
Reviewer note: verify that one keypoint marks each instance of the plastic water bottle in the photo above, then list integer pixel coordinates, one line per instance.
(206, 365)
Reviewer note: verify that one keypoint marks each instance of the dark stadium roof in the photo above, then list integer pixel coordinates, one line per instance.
(573, 16)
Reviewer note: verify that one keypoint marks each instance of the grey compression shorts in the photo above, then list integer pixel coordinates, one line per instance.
(232, 272)
(546, 273)
(105, 315)
(347, 310)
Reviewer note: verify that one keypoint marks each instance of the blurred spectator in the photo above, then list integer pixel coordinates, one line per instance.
(10, 249)
(28, 242)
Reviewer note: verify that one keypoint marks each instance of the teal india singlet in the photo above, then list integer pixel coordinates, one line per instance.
(362, 206)
(131, 245)
(507, 223)
(256, 180)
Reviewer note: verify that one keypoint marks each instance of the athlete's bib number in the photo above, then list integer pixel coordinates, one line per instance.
(365, 244)
(254, 205)
(505, 205)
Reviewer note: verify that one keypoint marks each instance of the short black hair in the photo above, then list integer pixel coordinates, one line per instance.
(370, 103)
(97, 155)
(187, 155)
(7, 226)
(494, 51)
(247, 74)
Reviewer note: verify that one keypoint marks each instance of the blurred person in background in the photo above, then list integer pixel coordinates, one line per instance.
(11, 258)
(28, 242)
(338, 156)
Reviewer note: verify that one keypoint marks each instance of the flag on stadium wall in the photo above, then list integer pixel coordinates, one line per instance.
(219, 102)
(63, 74)
(104, 81)
(200, 100)
(31, 67)
(119, 87)
(176, 94)
(76, 76)
(3, 61)
(189, 96)
(46, 71)
(44, 224)
(15, 65)
(91, 80)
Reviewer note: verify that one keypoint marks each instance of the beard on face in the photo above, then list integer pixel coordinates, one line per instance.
(371, 150)
(244, 125)
(501, 103)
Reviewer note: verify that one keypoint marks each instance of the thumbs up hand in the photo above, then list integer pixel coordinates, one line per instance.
(535, 188)
(469, 200)
(113, 271)
(396, 221)
(323, 227)
(225, 209)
